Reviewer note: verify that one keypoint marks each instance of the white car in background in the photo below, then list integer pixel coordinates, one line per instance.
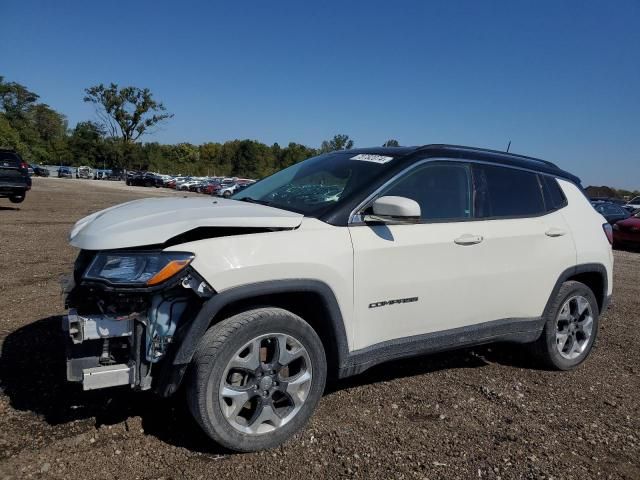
(633, 204)
(226, 190)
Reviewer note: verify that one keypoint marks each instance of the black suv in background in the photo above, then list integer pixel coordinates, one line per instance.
(14, 176)
(143, 179)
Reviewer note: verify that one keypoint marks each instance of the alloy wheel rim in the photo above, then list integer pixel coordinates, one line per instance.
(574, 326)
(265, 384)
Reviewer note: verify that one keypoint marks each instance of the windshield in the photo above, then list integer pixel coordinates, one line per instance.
(634, 201)
(316, 184)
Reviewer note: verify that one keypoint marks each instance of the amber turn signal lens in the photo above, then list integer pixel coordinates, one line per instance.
(170, 269)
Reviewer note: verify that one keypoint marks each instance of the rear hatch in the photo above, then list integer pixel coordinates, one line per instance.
(13, 171)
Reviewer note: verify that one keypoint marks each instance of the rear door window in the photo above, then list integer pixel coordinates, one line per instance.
(502, 192)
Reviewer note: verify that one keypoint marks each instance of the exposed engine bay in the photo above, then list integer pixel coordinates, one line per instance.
(121, 336)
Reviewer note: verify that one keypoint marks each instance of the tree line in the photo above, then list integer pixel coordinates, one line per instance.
(124, 115)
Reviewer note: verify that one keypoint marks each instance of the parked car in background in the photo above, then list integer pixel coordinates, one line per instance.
(40, 171)
(633, 204)
(186, 185)
(211, 187)
(618, 201)
(242, 184)
(626, 233)
(116, 173)
(84, 172)
(227, 190)
(611, 211)
(196, 186)
(143, 179)
(102, 174)
(65, 172)
(14, 176)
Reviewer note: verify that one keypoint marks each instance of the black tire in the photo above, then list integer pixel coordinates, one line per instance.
(218, 346)
(545, 348)
(17, 198)
(226, 194)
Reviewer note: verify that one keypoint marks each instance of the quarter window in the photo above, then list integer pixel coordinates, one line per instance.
(506, 192)
(443, 191)
(553, 196)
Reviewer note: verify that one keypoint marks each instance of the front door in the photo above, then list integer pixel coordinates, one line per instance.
(414, 279)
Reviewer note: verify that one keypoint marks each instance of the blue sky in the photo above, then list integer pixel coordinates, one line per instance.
(560, 79)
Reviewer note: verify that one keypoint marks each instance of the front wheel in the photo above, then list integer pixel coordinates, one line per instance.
(17, 198)
(256, 378)
(570, 329)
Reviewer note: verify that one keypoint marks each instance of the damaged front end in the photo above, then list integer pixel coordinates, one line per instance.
(126, 308)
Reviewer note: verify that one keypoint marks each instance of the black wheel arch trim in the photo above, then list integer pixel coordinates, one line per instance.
(176, 365)
(600, 269)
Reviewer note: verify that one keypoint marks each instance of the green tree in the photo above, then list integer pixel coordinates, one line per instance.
(87, 145)
(127, 113)
(391, 143)
(9, 137)
(338, 142)
(15, 99)
(294, 153)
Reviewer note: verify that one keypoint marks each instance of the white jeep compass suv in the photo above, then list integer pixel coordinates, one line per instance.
(326, 268)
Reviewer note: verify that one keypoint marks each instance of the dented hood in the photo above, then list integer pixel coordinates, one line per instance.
(153, 221)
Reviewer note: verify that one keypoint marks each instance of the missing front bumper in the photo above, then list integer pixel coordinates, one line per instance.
(100, 350)
(107, 376)
(95, 327)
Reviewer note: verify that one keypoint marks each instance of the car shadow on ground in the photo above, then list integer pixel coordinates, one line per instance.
(32, 375)
(15, 209)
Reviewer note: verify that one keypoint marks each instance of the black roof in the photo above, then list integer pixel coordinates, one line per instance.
(409, 154)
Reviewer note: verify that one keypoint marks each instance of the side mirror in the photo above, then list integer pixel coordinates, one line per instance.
(391, 209)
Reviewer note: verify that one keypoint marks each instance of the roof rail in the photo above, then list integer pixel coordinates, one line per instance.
(486, 150)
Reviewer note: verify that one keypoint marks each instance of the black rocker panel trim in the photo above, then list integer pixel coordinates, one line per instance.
(517, 330)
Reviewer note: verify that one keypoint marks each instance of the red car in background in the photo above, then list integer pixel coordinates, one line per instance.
(210, 188)
(627, 232)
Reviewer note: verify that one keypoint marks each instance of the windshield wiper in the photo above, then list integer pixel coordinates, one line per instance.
(253, 200)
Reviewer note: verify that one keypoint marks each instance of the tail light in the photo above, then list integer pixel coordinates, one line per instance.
(608, 231)
(24, 166)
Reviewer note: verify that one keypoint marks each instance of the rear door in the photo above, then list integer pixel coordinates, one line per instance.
(526, 243)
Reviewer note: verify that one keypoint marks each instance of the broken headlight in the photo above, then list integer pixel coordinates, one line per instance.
(136, 269)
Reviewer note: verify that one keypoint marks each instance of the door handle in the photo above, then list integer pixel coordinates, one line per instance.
(468, 239)
(555, 232)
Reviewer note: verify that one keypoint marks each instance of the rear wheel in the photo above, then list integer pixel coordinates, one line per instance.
(256, 378)
(226, 194)
(570, 329)
(17, 198)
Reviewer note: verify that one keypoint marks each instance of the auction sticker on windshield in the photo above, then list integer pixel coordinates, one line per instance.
(365, 157)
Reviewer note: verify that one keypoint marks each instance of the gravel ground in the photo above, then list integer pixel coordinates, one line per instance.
(477, 413)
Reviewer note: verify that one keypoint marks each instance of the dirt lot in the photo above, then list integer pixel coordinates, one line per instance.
(478, 413)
